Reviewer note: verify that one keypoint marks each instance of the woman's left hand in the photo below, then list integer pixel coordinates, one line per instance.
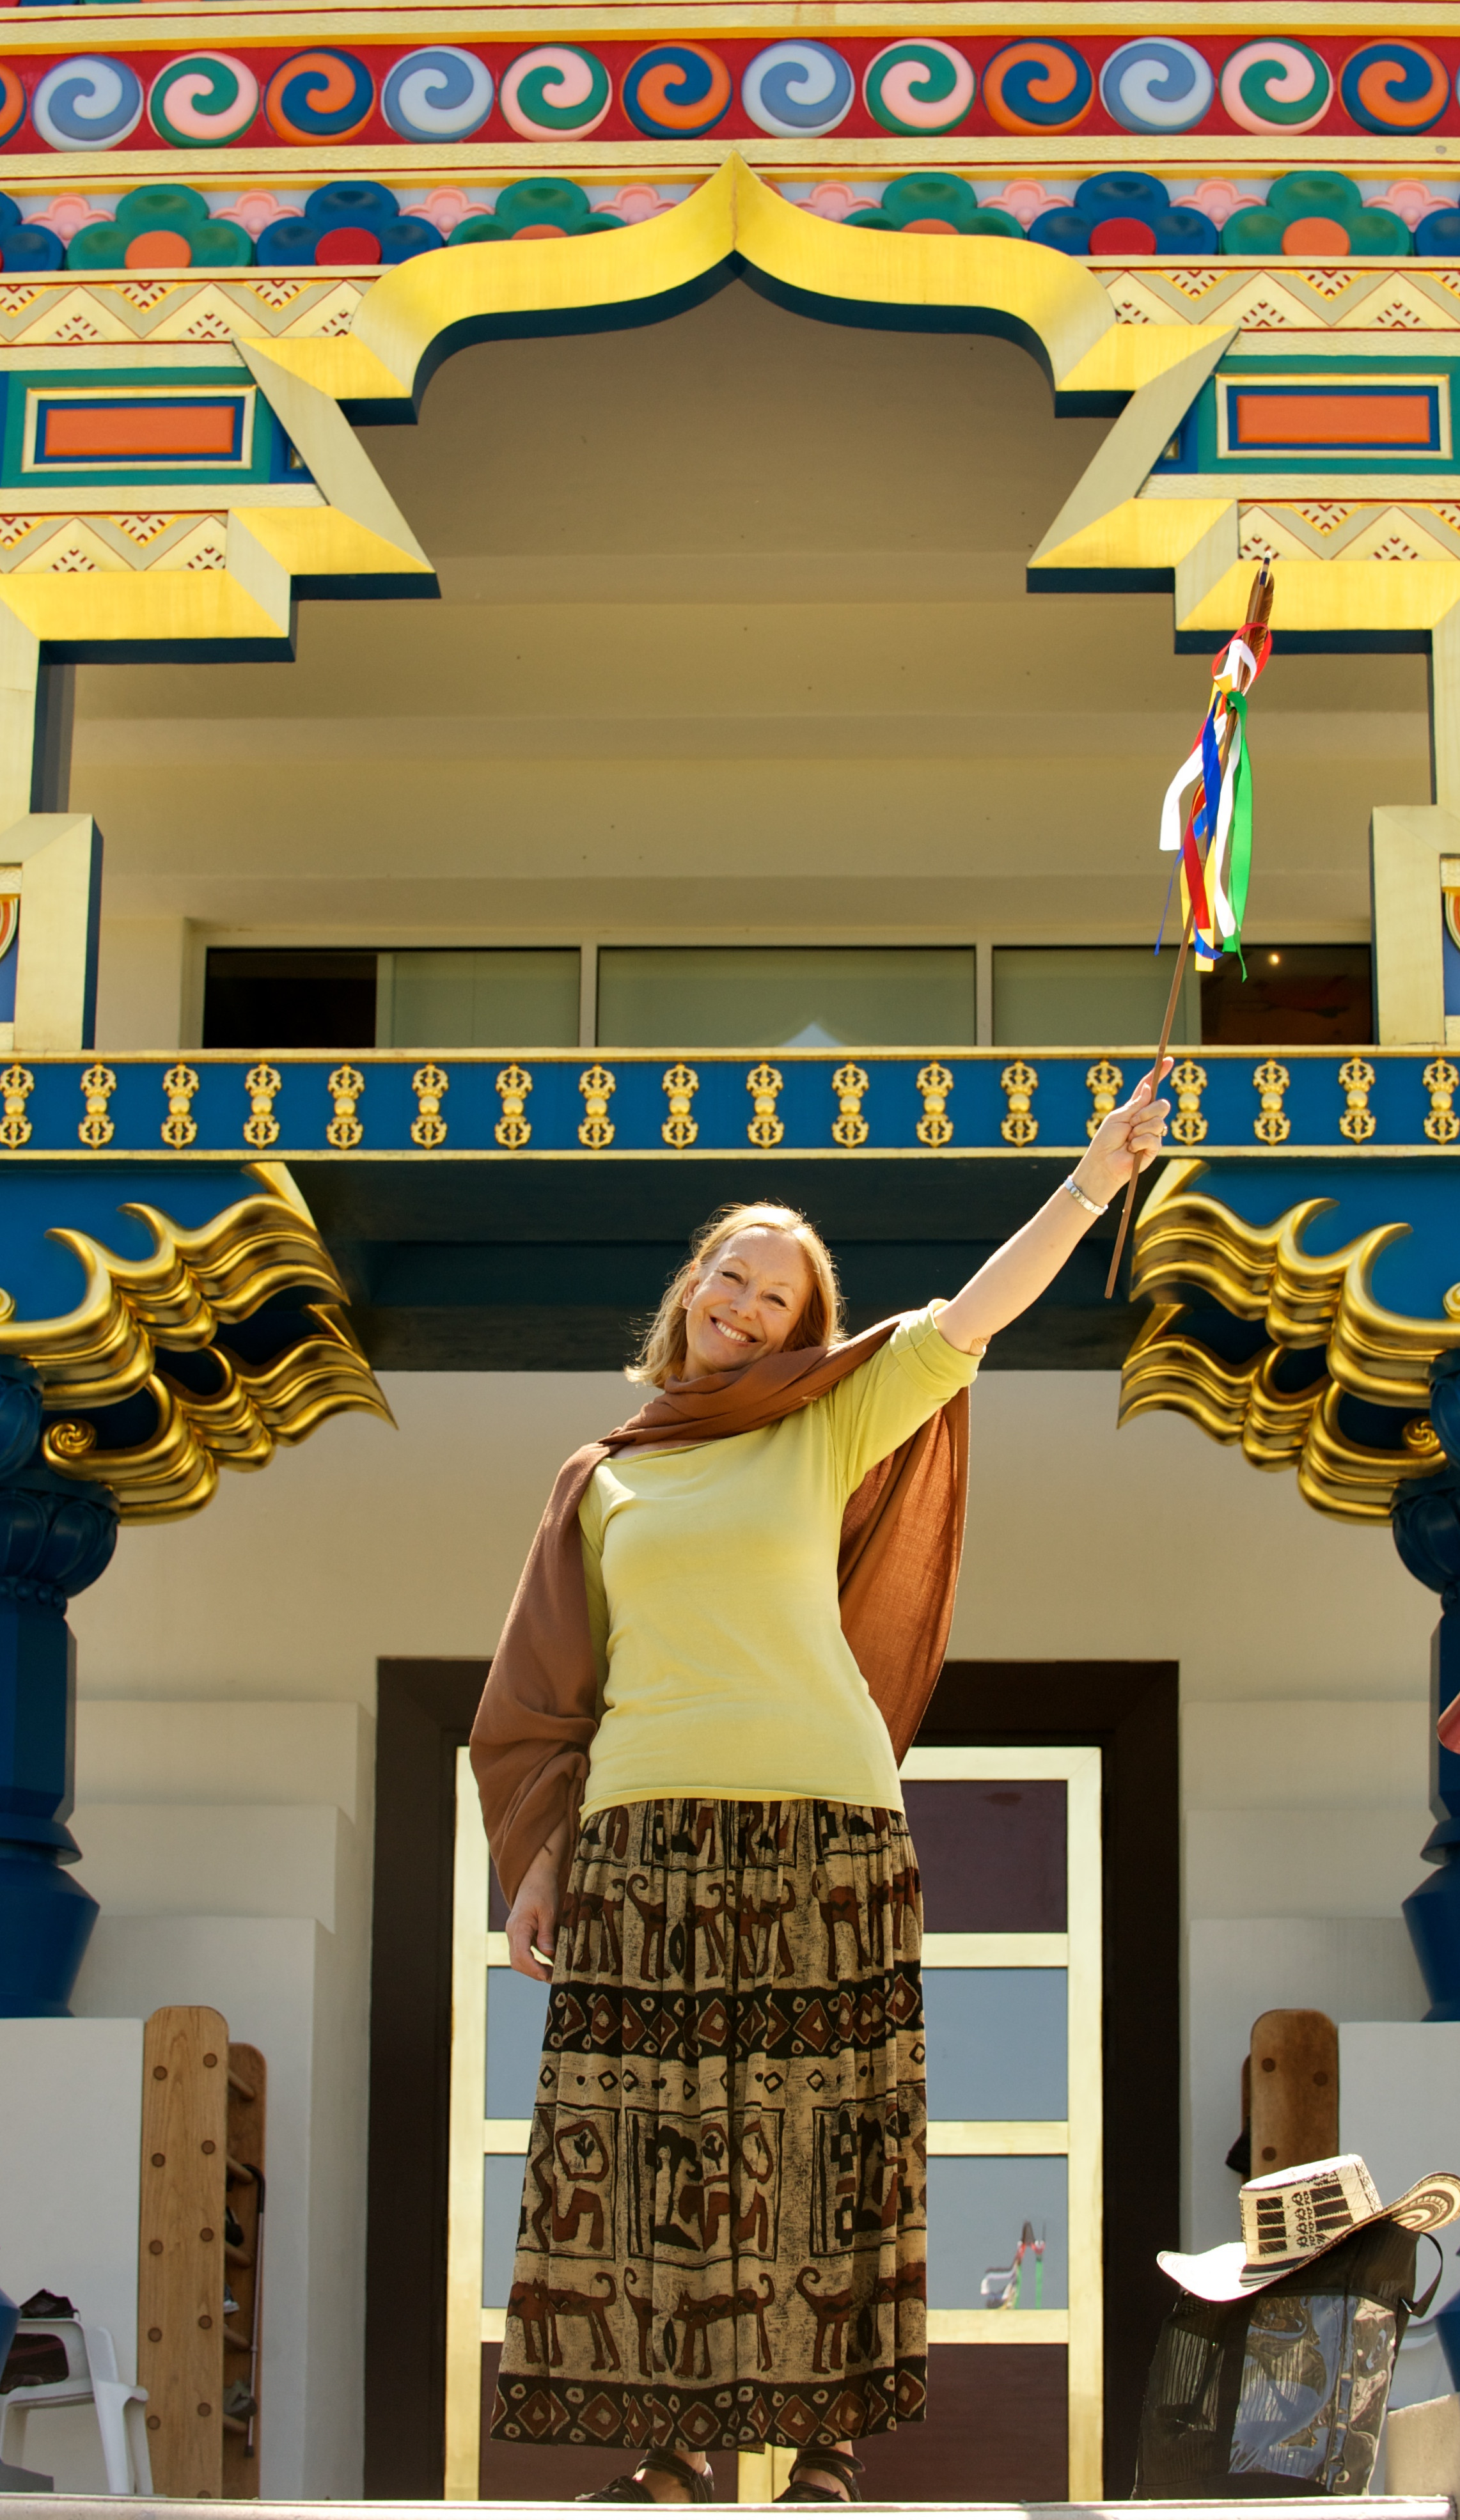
(1126, 1140)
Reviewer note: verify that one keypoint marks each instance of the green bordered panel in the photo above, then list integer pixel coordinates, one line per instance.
(209, 426)
(1315, 415)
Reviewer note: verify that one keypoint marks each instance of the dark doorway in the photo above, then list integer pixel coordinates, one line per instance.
(1126, 1710)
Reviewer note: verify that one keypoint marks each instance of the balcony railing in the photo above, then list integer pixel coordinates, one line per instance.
(598, 1106)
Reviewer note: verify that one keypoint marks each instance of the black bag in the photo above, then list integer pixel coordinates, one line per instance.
(1284, 2391)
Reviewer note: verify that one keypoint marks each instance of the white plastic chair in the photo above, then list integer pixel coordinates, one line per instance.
(90, 2380)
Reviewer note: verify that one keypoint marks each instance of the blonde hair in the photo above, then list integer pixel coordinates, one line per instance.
(663, 1353)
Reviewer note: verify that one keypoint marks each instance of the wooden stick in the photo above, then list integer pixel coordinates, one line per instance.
(1259, 611)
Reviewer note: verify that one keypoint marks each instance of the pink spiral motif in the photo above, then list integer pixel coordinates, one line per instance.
(556, 89)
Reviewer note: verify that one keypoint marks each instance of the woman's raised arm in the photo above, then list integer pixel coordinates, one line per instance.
(1006, 1286)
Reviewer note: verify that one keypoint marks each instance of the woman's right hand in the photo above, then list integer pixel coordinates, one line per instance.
(532, 1923)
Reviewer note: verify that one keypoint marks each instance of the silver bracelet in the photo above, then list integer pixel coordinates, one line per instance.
(1088, 1204)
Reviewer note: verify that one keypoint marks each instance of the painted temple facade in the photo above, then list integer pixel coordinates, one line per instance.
(596, 608)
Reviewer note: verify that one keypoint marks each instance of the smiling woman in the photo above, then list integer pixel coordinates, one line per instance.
(722, 1644)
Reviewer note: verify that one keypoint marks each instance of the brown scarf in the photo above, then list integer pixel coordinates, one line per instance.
(901, 1539)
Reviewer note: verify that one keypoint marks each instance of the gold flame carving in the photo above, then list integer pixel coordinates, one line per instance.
(1186, 1244)
(193, 1286)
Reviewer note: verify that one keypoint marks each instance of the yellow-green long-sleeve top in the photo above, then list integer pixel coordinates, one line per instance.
(711, 1571)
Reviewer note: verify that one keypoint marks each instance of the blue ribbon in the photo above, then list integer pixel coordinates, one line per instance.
(1211, 778)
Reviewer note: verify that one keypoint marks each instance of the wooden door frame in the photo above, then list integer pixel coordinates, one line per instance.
(1128, 1710)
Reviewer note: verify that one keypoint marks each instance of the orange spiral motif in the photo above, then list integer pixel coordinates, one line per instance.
(319, 96)
(12, 102)
(1038, 87)
(1394, 87)
(681, 88)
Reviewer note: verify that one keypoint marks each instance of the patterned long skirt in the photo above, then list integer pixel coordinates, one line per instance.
(723, 2231)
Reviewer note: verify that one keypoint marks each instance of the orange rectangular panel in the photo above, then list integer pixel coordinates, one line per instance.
(1334, 420)
(83, 432)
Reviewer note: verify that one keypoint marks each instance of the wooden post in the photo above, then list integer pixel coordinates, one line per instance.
(181, 2264)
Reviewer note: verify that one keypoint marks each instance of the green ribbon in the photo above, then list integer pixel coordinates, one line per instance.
(1240, 837)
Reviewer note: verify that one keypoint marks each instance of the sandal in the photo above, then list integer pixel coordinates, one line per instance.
(835, 2462)
(633, 2489)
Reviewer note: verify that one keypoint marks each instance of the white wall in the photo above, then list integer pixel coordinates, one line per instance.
(71, 2090)
(224, 1747)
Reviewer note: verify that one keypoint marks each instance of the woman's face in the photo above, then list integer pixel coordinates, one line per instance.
(746, 1301)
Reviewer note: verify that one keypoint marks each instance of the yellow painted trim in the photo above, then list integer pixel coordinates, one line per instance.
(506, 2134)
(998, 2327)
(143, 604)
(997, 2138)
(1062, 303)
(995, 1950)
(1355, 594)
(1406, 846)
(1147, 533)
(1134, 356)
(466, 2181)
(58, 857)
(171, 25)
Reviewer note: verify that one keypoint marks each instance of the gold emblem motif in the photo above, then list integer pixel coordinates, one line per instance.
(1019, 1128)
(1103, 1081)
(766, 1082)
(1358, 1121)
(850, 1083)
(934, 1084)
(681, 1084)
(16, 1084)
(514, 1084)
(1440, 1080)
(261, 1084)
(1272, 1080)
(347, 1085)
(98, 1084)
(180, 1083)
(1189, 1079)
(596, 1129)
(428, 1085)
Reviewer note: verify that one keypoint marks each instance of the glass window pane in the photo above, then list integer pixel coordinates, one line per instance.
(289, 999)
(977, 2209)
(1097, 997)
(1292, 993)
(992, 1855)
(501, 2211)
(516, 2019)
(996, 2042)
(497, 999)
(785, 997)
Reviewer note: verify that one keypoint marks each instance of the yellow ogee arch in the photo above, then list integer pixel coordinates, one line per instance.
(1111, 533)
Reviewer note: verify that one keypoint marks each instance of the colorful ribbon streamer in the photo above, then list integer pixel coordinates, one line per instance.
(1215, 844)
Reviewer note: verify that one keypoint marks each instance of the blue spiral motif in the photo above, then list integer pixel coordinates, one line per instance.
(798, 91)
(439, 93)
(88, 104)
(1156, 85)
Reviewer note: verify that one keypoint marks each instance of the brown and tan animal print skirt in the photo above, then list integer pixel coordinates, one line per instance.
(723, 2231)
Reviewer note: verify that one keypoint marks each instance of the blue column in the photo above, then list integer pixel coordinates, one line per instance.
(55, 1536)
(1426, 1536)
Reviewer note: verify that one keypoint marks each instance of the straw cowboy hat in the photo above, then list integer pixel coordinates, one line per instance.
(1294, 2216)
